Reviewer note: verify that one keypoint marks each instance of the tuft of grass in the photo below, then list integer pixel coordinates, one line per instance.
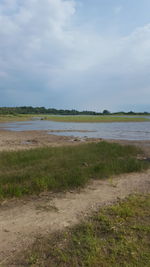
(63, 168)
(118, 235)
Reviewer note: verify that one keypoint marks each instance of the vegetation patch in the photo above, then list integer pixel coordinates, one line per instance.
(63, 168)
(118, 235)
(96, 118)
(72, 118)
(15, 117)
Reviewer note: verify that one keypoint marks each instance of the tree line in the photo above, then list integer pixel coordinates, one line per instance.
(53, 111)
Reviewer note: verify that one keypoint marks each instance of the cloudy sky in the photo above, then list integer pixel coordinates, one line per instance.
(82, 54)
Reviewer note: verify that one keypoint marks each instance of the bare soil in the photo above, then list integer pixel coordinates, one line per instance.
(23, 220)
(11, 140)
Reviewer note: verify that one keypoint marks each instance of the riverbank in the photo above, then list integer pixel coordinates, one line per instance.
(74, 118)
(13, 141)
(98, 118)
(24, 140)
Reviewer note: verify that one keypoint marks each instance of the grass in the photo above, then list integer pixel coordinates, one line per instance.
(15, 117)
(62, 168)
(73, 118)
(97, 118)
(118, 235)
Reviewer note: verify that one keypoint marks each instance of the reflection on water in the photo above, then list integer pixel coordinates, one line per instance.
(115, 130)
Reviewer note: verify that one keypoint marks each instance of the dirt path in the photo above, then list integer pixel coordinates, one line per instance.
(21, 221)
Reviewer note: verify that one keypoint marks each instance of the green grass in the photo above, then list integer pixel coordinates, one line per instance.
(118, 235)
(95, 118)
(62, 168)
(15, 117)
(73, 118)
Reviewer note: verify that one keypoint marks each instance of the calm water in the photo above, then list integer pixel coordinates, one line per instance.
(115, 130)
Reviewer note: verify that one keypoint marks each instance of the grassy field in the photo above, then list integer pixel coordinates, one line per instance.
(63, 168)
(96, 119)
(21, 117)
(17, 117)
(118, 235)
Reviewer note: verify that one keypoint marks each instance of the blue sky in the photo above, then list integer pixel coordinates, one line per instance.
(82, 54)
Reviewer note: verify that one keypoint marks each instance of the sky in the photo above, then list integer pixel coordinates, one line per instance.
(75, 54)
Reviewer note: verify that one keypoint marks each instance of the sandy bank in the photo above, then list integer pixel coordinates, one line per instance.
(10, 140)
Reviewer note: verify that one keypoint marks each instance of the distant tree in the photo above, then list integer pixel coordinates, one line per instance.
(106, 112)
(131, 112)
(43, 110)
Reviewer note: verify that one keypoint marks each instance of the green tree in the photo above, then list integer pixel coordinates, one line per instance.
(106, 112)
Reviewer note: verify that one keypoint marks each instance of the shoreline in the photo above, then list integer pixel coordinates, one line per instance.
(75, 118)
(22, 140)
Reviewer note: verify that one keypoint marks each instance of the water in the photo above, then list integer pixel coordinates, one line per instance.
(115, 130)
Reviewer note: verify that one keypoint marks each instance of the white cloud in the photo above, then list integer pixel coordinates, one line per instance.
(41, 32)
(40, 47)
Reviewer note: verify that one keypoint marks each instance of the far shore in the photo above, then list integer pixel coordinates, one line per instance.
(74, 118)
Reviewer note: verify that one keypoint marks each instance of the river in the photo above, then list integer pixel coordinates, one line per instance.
(107, 130)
